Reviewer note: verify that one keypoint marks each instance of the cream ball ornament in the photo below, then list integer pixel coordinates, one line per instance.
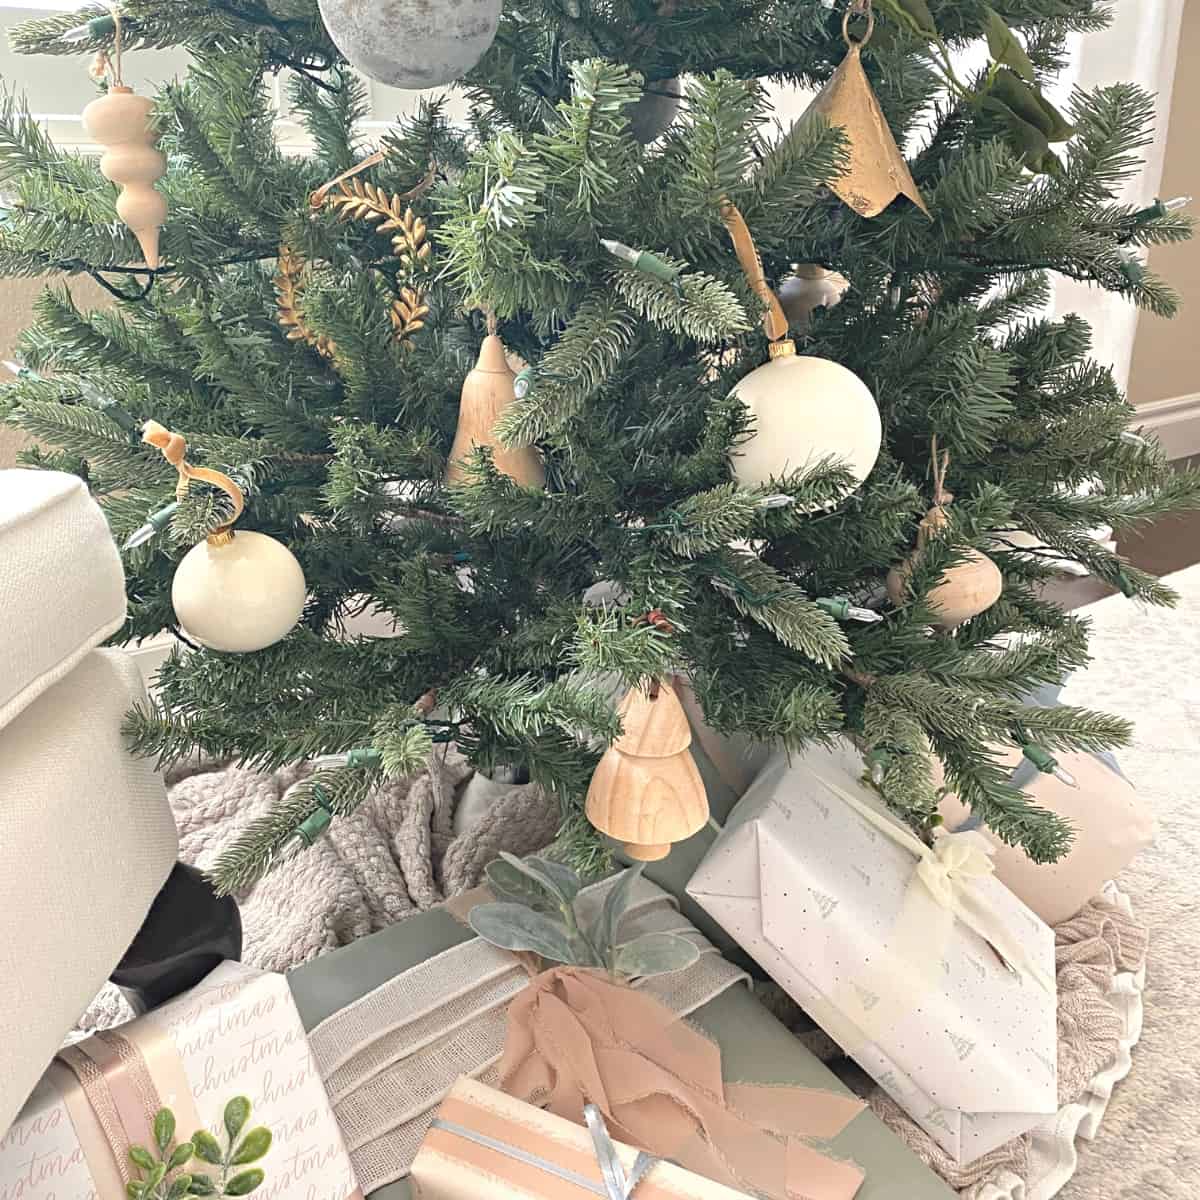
(234, 591)
(805, 409)
(239, 595)
(412, 43)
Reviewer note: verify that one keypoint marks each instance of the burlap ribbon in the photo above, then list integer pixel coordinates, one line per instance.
(577, 1038)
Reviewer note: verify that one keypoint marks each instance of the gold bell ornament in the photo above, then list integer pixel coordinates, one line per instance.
(232, 592)
(808, 288)
(965, 590)
(805, 408)
(487, 392)
(120, 122)
(877, 172)
(646, 791)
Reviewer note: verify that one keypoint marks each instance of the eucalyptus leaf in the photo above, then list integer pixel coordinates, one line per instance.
(135, 1190)
(603, 933)
(180, 1155)
(566, 883)
(237, 1113)
(180, 1187)
(244, 1182)
(515, 927)
(1060, 129)
(156, 1176)
(1027, 141)
(202, 1185)
(508, 883)
(532, 868)
(206, 1147)
(654, 954)
(253, 1146)
(164, 1129)
(1004, 46)
(1012, 91)
(141, 1157)
(918, 10)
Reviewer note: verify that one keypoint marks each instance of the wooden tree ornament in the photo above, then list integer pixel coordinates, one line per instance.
(120, 122)
(487, 392)
(646, 791)
(965, 590)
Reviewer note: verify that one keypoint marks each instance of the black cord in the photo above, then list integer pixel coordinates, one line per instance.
(130, 297)
(176, 632)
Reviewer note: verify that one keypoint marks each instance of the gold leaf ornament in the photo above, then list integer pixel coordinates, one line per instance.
(290, 272)
(357, 200)
(878, 171)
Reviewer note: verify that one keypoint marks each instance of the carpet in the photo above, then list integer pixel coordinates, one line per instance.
(1146, 667)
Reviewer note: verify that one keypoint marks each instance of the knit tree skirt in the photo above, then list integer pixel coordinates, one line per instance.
(395, 856)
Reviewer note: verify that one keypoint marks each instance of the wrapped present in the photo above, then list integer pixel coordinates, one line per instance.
(426, 1002)
(237, 1034)
(917, 960)
(1111, 823)
(485, 1143)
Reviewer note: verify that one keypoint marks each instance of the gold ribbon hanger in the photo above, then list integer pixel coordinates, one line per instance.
(775, 321)
(174, 450)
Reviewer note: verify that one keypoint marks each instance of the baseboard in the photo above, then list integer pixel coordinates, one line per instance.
(1175, 422)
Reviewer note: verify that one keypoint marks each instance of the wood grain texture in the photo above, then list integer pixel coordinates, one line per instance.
(647, 803)
(487, 392)
(653, 727)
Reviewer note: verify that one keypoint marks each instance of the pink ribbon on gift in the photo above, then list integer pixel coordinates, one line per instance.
(575, 1038)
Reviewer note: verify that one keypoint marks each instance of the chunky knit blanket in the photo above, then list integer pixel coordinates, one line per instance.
(395, 856)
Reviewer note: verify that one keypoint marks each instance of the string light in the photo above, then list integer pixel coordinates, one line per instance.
(840, 609)
(1047, 763)
(95, 30)
(643, 261)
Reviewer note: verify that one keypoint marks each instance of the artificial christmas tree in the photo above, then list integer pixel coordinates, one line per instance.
(339, 421)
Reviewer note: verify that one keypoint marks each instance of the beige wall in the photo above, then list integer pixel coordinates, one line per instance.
(16, 312)
(1166, 354)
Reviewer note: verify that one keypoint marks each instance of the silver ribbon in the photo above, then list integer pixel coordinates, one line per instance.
(616, 1186)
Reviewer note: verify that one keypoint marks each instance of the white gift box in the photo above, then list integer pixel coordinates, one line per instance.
(871, 932)
(236, 1034)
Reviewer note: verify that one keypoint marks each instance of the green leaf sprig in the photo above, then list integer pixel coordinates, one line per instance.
(163, 1170)
(536, 912)
(1009, 91)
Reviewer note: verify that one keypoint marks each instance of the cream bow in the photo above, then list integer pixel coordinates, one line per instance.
(950, 872)
(956, 861)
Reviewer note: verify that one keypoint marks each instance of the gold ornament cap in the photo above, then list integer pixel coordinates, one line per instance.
(784, 348)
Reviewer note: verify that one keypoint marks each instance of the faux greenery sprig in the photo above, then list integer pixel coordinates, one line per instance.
(158, 1165)
(536, 912)
(1009, 91)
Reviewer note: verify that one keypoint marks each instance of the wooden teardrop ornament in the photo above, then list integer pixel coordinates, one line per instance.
(120, 122)
(963, 592)
(646, 791)
(487, 392)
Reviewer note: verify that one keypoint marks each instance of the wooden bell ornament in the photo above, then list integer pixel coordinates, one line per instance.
(646, 791)
(487, 392)
(965, 590)
(877, 172)
(120, 122)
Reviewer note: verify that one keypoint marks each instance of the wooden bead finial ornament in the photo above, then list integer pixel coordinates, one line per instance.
(646, 791)
(808, 288)
(965, 590)
(236, 594)
(487, 392)
(120, 122)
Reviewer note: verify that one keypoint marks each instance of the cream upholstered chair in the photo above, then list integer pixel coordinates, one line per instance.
(86, 836)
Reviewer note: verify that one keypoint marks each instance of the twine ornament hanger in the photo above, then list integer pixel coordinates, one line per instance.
(174, 450)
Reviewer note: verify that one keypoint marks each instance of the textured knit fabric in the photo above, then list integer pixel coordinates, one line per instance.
(86, 841)
(392, 858)
(62, 590)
